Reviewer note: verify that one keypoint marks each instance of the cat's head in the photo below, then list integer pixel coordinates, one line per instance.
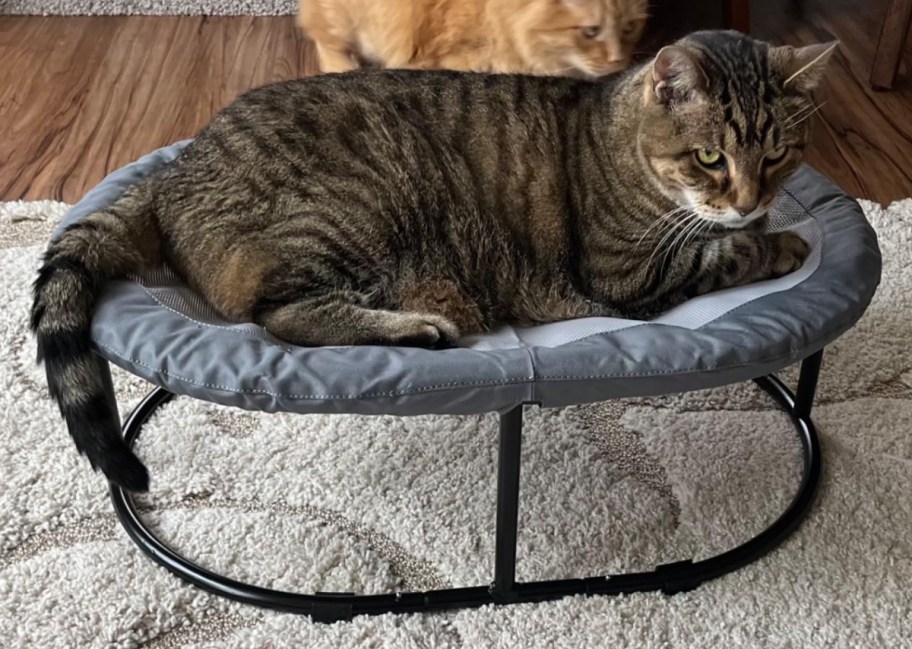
(725, 120)
(586, 38)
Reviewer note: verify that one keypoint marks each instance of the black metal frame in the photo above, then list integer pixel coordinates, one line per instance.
(669, 578)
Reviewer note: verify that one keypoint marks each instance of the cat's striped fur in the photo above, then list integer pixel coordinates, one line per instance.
(406, 208)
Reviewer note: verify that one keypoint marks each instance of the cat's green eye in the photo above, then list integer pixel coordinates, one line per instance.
(776, 155)
(710, 158)
(592, 31)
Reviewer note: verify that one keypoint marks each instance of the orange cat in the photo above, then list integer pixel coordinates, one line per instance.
(557, 37)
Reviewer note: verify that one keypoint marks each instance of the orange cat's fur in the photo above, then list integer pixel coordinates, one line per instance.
(559, 37)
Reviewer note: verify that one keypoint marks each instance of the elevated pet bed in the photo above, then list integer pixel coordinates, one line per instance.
(158, 329)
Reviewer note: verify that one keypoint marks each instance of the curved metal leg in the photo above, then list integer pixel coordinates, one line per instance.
(669, 578)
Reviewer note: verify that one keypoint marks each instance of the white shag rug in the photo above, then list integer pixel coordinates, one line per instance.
(149, 7)
(381, 504)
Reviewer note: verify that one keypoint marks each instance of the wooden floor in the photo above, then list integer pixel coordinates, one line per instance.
(80, 97)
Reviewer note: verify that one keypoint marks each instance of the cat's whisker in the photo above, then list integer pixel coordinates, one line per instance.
(694, 232)
(809, 115)
(667, 252)
(662, 222)
(680, 242)
(802, 115)
(688, 236)
(662, 219)
(676, 229)
(797, 116)
(669, 229)
(699, 231)
(798, 113)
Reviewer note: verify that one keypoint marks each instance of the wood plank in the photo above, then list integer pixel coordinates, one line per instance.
(43, 88)
(83, 96)
(891, 43)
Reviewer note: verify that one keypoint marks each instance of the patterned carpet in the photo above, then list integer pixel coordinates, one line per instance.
(379, 504)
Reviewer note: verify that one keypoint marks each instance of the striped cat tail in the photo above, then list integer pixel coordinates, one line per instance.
(112, 243)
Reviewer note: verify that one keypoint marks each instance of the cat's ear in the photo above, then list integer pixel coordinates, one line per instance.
(802, 68)
(676, 77)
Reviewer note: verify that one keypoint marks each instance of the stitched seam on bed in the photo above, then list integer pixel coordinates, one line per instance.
(366, 395)
(229, 328)
(444, 386)
(536, 379)
(797, 200)
(716, 368)
(210, 325)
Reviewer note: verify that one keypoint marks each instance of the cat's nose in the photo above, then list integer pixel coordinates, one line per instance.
(746, 209)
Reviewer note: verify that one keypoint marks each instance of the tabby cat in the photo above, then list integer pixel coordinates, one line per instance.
(410, 207)
(555, 37)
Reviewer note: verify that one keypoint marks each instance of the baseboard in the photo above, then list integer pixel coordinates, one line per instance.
(148, 7)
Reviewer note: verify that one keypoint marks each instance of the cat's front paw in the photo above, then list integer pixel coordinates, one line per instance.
(788, 253)
(424, 330)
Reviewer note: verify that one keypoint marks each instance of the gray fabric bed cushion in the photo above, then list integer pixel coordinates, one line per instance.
(159, 329)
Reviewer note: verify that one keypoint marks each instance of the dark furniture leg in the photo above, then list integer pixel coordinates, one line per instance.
(892, 42)
(669, 578)
(737, 15)
(503, 590)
